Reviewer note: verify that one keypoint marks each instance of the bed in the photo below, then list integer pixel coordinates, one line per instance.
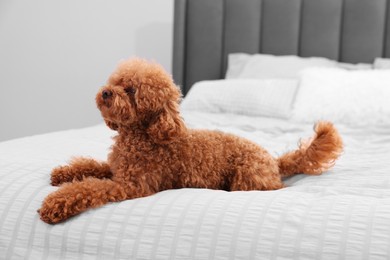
(341, 214)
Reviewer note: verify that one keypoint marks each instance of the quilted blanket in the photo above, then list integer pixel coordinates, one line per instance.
(342, 214)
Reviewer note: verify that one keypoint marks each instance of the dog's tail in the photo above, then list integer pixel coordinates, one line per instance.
(315, 155)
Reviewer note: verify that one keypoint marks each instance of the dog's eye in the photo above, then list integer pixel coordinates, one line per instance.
(130, 90)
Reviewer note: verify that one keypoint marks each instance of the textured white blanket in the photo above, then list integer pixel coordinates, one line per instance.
(343, 214)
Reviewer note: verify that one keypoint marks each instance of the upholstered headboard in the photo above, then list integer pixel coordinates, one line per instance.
(206, 31)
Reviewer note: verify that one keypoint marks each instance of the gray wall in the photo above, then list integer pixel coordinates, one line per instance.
(54, 56)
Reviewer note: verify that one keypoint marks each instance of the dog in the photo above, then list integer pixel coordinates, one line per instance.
(155, 151)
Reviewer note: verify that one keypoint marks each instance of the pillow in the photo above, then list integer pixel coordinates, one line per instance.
(272, 98)
(265, 66)
(353, 97)
(358, 66)
(382, 63)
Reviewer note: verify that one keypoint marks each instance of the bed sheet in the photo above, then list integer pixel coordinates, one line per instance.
(342, 214)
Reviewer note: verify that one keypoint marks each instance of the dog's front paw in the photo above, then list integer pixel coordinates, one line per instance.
(60, 175)
(53, 210)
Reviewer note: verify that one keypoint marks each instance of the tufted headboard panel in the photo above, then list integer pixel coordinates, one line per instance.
(206, 31)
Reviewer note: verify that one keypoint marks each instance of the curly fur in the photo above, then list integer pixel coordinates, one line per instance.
(155, 151)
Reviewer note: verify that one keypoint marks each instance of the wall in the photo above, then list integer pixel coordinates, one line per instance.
(54, 56)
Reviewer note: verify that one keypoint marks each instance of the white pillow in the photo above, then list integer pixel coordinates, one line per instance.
(272, 98)
(265, 66)
(358, 66)
(354, 97)
(382, 63)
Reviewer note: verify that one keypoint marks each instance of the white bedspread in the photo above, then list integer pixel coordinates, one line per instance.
(342, 214)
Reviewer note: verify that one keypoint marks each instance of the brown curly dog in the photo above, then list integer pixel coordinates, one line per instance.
(155, 151)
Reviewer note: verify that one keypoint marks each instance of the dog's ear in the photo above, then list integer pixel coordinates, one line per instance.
(111, 125)
(168, 125)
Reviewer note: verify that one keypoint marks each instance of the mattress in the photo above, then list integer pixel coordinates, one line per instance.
(342, 214)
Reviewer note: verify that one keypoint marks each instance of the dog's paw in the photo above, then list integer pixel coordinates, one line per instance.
(53, 211)
(60, 175)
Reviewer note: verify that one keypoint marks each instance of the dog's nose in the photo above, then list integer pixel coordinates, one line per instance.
(106, 94)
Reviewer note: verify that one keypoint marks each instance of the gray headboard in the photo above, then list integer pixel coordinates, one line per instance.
(206, 31)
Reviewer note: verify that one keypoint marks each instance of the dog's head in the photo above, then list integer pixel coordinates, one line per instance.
(141, 94)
